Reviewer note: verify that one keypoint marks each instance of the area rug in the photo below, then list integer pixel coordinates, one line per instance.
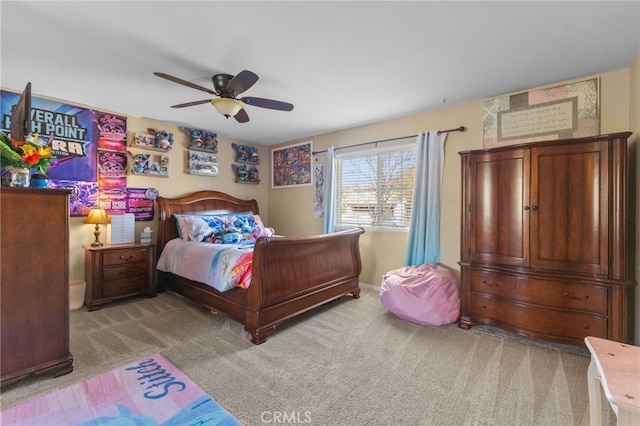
(150, 391)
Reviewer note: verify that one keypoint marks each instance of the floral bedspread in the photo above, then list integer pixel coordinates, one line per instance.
(222, 266)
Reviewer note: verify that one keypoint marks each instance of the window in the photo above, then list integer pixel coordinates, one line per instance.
(374, 188)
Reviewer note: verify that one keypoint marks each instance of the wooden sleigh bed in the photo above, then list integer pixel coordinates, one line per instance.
(290, 275)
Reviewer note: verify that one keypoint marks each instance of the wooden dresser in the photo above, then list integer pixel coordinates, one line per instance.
(118, 271)
(547, 239)
(34, 295)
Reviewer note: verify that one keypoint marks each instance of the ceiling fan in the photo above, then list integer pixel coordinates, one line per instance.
(226, 87)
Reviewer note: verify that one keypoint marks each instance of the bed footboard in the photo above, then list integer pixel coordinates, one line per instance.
(294, 274)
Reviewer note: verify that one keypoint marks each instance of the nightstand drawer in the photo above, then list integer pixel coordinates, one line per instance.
(118, 257)
(124, 287)
(133, 270)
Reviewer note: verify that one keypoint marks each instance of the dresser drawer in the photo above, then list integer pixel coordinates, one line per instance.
(125, 287)
(131, 270)
(557, 294)
(118, 257)
(536, 320)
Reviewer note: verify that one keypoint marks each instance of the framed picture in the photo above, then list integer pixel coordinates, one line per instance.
(291, 166)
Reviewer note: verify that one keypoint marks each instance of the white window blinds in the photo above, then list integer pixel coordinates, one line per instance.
(374, 187)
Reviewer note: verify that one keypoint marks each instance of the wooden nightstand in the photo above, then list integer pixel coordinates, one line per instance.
(118, 271)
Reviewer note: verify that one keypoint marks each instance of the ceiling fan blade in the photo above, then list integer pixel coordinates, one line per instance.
(267, 103)
(184, 82)
(188, 104)
(242, 81)
(241, 116)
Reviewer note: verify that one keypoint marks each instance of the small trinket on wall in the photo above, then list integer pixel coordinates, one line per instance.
(246, 154)
(203, 140)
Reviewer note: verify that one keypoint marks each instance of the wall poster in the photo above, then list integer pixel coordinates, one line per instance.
(291, 166)
(554, 112)
(112, 169)
(318, 205)
(112, 131)
(71, 130)
(90, 146)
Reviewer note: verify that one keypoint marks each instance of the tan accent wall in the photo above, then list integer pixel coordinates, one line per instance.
(291, 210)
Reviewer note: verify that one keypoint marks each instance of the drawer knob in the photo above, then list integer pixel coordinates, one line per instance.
(567, 295)
(484, 306)
(488, 284)
(586, 326)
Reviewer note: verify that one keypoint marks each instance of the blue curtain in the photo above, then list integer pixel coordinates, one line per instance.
(423, 245)
(329, 224)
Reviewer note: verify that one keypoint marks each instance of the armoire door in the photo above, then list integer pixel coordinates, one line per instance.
(498, 207)
(569, 208)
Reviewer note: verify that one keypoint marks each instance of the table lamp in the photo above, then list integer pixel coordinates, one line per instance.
(97, 216)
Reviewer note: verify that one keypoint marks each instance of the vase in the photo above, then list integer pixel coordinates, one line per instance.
(39, 180)
(19, 177)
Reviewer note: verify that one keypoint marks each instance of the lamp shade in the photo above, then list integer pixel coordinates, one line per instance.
(227, 107)
(97, 216)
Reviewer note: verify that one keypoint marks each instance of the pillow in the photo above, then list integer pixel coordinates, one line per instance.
(193, 227)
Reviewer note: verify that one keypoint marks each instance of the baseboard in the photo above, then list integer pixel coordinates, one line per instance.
(371, 286)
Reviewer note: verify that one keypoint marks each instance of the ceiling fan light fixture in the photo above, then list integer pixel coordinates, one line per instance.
(227, 107)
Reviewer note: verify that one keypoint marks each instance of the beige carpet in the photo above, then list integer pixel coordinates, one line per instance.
(347, 363)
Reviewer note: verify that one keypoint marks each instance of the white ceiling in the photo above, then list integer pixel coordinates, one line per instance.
(342, 64)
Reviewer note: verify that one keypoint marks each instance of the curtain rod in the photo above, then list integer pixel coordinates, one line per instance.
(457, 129)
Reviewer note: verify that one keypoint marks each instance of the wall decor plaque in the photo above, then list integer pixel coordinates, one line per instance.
(552, 112)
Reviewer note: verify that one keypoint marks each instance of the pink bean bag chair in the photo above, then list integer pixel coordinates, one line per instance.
(425, 294)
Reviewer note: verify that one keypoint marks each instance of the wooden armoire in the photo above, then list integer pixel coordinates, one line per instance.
(547, 239)
(34, 283)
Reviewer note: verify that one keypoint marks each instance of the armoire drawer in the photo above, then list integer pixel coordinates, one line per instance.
(550, 322)
(132, 270)
(118, 257)
(557, 294)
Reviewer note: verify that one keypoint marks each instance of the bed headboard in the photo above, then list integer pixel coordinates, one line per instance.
(196, 202)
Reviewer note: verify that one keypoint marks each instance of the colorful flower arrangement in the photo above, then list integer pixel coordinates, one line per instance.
(32, 153)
